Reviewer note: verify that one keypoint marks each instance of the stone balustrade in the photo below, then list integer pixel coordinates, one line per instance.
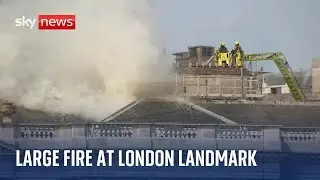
(162, 136)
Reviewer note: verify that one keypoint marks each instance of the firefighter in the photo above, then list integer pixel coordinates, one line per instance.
(222, 55)
(237, 61)
(237, 47)
(222, 48)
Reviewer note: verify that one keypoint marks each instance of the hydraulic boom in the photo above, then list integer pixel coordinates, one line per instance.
(285, 69)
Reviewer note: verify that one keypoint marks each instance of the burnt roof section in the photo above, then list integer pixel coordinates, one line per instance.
(24, 116)
(207, 70)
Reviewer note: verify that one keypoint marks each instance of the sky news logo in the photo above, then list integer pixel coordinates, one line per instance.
(48, 22)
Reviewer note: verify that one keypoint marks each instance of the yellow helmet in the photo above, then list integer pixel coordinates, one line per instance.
(236, 43)
(222, 44)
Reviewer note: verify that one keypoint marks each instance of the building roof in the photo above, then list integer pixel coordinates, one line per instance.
(303, 77)
(23, 115)
(255, 114)
(150, 111)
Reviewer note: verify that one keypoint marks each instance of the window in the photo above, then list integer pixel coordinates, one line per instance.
(276, 90)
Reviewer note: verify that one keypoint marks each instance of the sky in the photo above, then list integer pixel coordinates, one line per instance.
(288, 26)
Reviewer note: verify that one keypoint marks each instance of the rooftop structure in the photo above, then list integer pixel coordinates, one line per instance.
(316, 77)
(161, 111)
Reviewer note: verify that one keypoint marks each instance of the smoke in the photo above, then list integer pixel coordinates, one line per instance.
(90, 72)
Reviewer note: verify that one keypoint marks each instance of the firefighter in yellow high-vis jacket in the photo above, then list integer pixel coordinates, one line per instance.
(237, 55)
(222, 55)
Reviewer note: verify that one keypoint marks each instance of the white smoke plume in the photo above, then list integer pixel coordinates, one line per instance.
(84, 72)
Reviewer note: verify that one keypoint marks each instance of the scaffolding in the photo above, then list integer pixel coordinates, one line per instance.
(219, 86)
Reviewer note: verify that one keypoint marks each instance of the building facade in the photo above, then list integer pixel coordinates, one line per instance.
(218, 86)
(316, 77)
(274, 84)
